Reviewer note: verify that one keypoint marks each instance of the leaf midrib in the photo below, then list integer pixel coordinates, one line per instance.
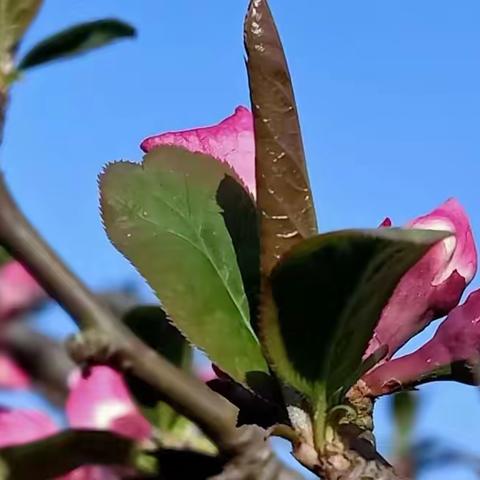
(204, 252)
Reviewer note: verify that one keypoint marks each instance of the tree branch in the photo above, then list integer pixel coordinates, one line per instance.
(214, 415)
(45, 360)
(247, 453)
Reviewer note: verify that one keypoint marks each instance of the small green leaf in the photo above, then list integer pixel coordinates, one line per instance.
(58, 454)
(404, 410)
(76, 40)
(329, 292)
(283, 189)
(163, 216)
(151, 325)
(15, 18)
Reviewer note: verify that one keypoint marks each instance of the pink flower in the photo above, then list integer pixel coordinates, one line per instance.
(19, 291)
(429, 290)
(434, 285)
(11, 375)
(230, 141)
(23, 426)
(98, 401)
(452, 352)
(101, 400)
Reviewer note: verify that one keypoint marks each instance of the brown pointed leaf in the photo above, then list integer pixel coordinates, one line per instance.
(283, 192)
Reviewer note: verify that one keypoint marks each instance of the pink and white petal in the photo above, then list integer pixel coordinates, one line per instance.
(11, 374)
(19, 291)
(431, 288)
(231, 141)
(18, 426)
(92, 473)
(207, 373)
(457, 340)
(460, 248)
(101, 400)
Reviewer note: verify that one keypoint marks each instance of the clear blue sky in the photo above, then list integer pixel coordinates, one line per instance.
(389, 95)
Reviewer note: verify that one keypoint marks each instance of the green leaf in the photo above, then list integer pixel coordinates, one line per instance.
(15, 18)
(240, 215)
(163, 216)
(404, 410)
(76, 40)
(329, 292)
(150, 324)
(283, 190)
(60, 453)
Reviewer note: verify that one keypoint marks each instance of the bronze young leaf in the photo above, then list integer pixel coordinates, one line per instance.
(284, 198)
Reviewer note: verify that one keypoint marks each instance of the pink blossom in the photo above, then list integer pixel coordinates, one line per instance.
(230, 141)
(434, 285)
(11, 374)
(22, 426)
(19, 291)
(455, 345)
(100, 400)
(205, 374)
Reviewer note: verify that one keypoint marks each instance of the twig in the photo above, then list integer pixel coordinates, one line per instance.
(45, 360)
(213, 414)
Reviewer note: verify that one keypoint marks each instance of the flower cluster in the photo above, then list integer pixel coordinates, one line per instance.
(429, 290)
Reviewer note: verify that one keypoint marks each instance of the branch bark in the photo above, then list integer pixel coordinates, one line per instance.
(212, 413)
(45, 360)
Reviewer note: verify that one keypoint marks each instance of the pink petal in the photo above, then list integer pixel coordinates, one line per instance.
(431, 288)
(387, 222)
(456, 340)
(230, 141)
(100, 400)
(11, 375)
(92, 473)
(205, 374)
(19, 291)
(23, 426)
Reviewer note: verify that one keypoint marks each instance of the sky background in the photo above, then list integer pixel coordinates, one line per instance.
(389, 97)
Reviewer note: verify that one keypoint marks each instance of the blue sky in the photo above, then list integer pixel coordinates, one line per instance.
(389, 96)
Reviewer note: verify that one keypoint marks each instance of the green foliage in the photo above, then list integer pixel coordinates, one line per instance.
(404, 410)
(151, 325)
(240, 215)
(15, 18)
(76, 40)
(164, 217)
(283, 190)
(328, 293)
(53, 456)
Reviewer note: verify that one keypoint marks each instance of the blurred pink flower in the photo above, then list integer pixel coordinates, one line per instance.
(230, 141)
(12, 375)
(205, 374)
(22, 426)
(98, 401)
(19, 291)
